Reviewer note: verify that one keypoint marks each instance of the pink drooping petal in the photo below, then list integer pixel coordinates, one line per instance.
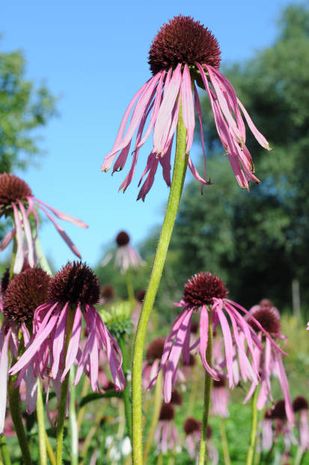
(74, 342)
(20, 252)
(7, 239)
(283, 380)
(119, 145)
(58, 341)
(170, 366)
(4, 363)
(63, 216)
(187, 105)
(195, 172)
(259, 137)
(35, 346)
(28, 234)
(164, 118)
(228, 343)
(62, 233)
(204, 328)
(153, 165)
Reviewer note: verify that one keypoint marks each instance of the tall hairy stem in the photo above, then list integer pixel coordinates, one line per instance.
(180, 166)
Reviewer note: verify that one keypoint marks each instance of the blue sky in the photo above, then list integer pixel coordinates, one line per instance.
(93, 56)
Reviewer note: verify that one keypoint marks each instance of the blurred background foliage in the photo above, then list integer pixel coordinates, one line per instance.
(257, 241)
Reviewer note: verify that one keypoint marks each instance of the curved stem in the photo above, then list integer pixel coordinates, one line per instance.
(253, 434)
(16, 414)
(155, 416)
(126, 391)
(4, 452)
(299, 456)
(180, 166)
(225, 443)
(41, 425)
(207, 388)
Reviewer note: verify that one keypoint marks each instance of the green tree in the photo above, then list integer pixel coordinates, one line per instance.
(24, 108)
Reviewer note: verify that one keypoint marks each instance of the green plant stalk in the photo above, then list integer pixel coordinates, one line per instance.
(16, 414)
(73, 420)
(155, 416)
(41, 425)
(126, 391)
(50, 452)
(299, 456)
(207, 389)
(180, 166)
(4, 452)
(225, 443)
(63, 394)
(253, 433)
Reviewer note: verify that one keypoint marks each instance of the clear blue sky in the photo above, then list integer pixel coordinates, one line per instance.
(93, 55)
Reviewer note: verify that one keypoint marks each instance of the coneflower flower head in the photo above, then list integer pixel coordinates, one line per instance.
(176, 398)
(126, 256)
(206, 294)
(166, 435)
(220, 397)
(24, 293)
(191, 425)
(269, 360)
(155, 350)
(183, 53)
(18, 201)
(72, 293)
(21, 296)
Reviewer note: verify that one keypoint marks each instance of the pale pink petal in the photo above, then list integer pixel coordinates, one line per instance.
(20, 252)
(204, 328)
(259, 137)
(63, 216)
(187, 106)
(28, 234)
(4, 363)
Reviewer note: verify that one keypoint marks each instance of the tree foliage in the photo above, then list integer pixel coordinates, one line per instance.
(24, 108)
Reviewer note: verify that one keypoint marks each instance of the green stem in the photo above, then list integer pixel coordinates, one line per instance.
(155, 416)
(4, 452)
(50, 452)
(126, 391)
(299, 456)
(253, 434)
(73, 420)
(16, 414)
(41, 425)
(225, 443)
(207, 388)
(63, 394)
(180, 166)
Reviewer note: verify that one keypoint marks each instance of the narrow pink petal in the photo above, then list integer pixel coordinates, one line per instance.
(62, 233)
(285, 389)
(20, 252)
(4, 363)
(74, 342)
(58, 341)
(204, 328)
(164, 118)
(259, 137)
(28, 234)
(7, 239)
(200, 119)
(63, 216)
(174, 355)
(228, 344)
(195, 172)
(187, 103)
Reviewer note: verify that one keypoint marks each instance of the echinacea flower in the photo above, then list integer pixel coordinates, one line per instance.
(267, 438)
(18, 202)
(206, 295)
(23, 294)
(220, 397)
(184, 54)
(192, 429)
(282, 426)
(153, 356)
(166, 435)
(126, 256)
(269, 359)
(301, 409)
(72, 294)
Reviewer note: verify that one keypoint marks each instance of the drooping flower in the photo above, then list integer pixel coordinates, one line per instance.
(126, 256)
(184, 54)
(301, 409)
(58, 323)
(192, 429)
(153, 356)
(22, 295)
(18, 202)
(267, 431)
(269, 359)
(283, 427)
(220, 397)
(206, 294)
(166, 435)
